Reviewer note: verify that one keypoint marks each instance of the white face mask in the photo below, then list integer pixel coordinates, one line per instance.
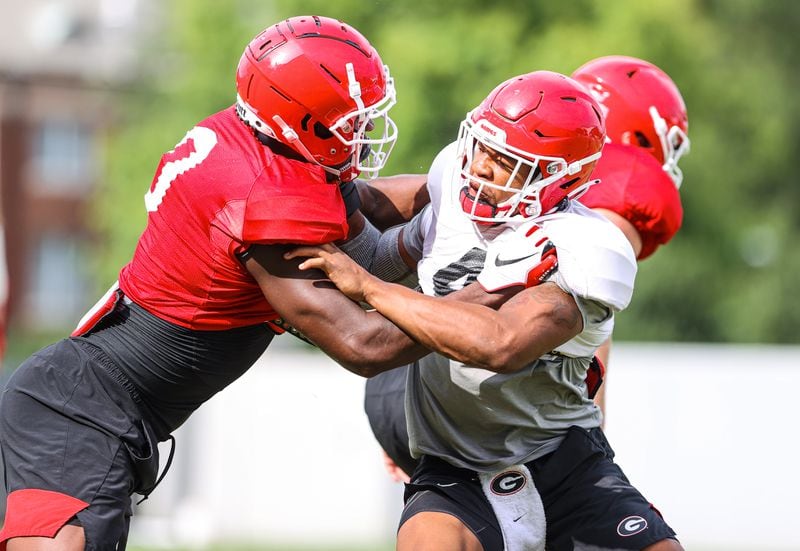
(525, 200)
(674, 144)
(369, 127)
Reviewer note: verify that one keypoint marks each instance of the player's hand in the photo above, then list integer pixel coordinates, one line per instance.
(396, 473)
(348, 276)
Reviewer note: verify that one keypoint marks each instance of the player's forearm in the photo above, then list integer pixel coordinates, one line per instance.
(363, 342)
(366, 343)
(469, 333)
(475, 294)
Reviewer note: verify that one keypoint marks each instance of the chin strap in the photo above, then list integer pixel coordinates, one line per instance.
(288, 133)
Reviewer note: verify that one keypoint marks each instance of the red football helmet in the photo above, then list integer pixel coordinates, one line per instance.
(317, 85)
(642, 105)
(545, 123)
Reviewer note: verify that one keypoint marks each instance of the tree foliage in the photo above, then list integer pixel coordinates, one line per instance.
(729, 275)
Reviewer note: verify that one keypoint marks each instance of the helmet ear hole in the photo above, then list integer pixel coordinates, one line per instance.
(321, 132)
(642, 140)
(304, 122)
(568, 183)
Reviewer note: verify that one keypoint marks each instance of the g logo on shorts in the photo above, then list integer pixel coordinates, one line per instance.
(630, 526)
(507, 483)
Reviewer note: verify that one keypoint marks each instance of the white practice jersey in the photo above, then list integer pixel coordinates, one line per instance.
(481, 420)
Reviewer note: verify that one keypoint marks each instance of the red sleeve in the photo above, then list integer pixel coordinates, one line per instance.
(291, 202)
(633, 184)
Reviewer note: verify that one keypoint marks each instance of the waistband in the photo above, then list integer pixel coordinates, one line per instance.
(110, 368)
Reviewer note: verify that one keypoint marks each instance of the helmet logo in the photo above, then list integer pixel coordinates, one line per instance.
(507, 483)
(599, 93)
(630, 526)
(491, 131)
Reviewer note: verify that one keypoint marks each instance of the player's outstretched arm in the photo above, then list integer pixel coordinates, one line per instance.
(533, 322)
(363, 342)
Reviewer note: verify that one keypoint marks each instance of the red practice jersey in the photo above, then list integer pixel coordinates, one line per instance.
(216, 193)
(633, 184)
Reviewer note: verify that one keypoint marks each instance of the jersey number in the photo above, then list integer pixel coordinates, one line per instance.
(460, 273)
(204, 140)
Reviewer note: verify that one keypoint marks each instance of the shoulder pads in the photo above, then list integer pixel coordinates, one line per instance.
(595, 260)
(291, 202)
(635, 186)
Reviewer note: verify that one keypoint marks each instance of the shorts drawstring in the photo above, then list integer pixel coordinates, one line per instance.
(164, 472)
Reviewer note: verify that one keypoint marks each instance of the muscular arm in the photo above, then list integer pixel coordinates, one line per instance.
(534, 321)
(363, 342)
(530, 324)
(392, 200)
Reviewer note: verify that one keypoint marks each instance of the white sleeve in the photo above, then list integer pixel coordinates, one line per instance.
(596, 265)
(595, 260)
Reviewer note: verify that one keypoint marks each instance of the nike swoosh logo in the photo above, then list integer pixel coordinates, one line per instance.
(446, 485)
(519, 517)
(505, 262)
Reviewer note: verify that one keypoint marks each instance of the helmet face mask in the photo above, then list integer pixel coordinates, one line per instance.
(368, 131)
(527, 176)
(548, 133)
(674, 144)
(318, 86)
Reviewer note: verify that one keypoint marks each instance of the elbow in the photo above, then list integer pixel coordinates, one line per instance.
(504, 363)
(360, 358)
(367, 369)
(498, 357)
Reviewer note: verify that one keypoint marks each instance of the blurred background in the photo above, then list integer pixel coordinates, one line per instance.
(92, 92)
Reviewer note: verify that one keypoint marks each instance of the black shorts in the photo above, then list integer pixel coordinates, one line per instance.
(588, 501)
(74, 445)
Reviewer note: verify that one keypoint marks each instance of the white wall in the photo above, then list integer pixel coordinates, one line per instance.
(710, 435)
(285, 454)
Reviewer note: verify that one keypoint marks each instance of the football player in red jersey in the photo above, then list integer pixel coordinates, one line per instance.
(80, 420)
(647, 125)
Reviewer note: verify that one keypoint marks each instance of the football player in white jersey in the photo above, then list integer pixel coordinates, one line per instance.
(499, 414)
(646, 136)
